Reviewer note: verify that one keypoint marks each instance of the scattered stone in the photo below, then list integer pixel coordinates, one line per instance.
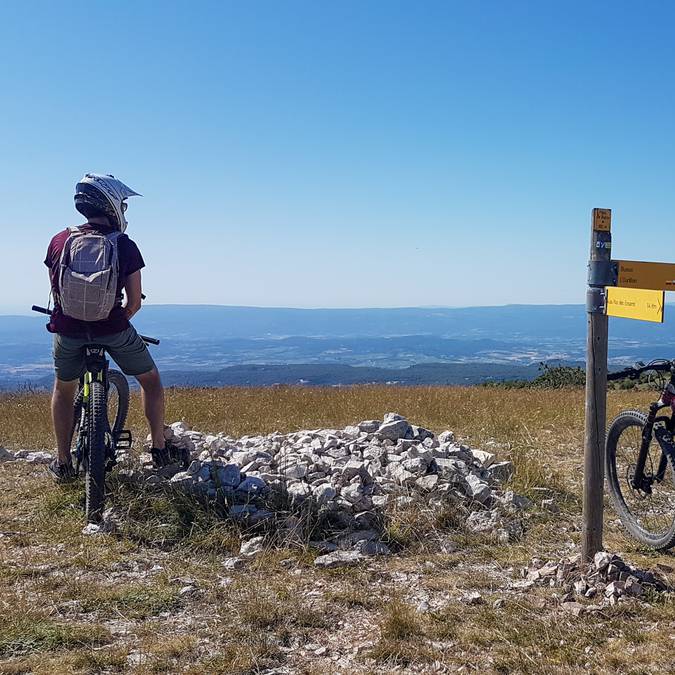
(485, 458)
(369, 426)
(323, 546)
(550, 506)
(608, 578)
(253, 486)
(92, 529)
(339, 559)
(575, 608)
(373, 548)
(38, 458)
(252, 547)
(6, 455)
(427, 483)
(602, 560)
(242, 511)
(394, 429)
(478, 490)
(580, 587)
(633, 587)
(446, 437)
(226, 476)
(324, 493)
(482, 521)
(514, 501)
(473, 598)
(501, 471)
(233, 563)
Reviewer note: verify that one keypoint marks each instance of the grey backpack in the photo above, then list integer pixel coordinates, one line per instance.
(88, 275)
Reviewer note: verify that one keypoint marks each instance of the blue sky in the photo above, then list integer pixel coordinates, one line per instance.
(341, 154)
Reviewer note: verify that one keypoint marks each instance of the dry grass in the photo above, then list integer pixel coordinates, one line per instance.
(73, 604)
(519, 417)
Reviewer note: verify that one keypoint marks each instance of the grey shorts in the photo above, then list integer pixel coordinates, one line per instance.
(127, 349)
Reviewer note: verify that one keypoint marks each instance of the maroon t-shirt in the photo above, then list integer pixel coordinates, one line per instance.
(130, 261)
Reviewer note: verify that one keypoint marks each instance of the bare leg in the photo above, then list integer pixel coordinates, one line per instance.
(62, 416)
(152, 394)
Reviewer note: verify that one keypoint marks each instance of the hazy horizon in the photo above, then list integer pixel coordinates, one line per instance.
(23, 312)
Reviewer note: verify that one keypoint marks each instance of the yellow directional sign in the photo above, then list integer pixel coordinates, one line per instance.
(636, 274)
(635, 303)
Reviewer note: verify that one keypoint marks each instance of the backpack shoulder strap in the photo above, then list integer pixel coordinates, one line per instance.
(113, 238)
(65, 251)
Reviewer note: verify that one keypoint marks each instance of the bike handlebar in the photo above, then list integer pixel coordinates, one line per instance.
(634, 373)
(48, 312)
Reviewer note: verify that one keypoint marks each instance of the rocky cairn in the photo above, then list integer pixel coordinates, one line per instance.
(351, 477)
(349, 480)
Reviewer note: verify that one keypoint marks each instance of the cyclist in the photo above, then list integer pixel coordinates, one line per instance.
(101, 199)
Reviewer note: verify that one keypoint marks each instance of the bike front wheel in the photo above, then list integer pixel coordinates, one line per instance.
(96, 460)
(648, 513)
(117, 403)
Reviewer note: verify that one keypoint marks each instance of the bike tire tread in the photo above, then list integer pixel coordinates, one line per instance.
(95, 476)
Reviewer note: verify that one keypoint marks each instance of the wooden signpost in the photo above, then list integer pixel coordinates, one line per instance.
(625, 288)
(599, 268)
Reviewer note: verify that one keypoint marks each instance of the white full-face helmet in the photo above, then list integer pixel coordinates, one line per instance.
(103, 195)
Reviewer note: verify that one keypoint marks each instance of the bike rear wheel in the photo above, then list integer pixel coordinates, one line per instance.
(648, 514)
(96, 460)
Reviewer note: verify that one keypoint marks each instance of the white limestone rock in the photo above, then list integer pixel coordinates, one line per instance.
(394, 429)
(339, 559)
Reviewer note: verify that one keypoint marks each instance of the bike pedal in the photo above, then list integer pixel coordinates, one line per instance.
(123, 441)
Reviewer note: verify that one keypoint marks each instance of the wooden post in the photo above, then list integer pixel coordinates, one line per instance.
(596, 383)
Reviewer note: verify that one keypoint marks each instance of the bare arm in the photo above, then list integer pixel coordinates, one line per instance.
(132, 289)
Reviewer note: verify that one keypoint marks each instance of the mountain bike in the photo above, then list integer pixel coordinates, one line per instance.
(99, 414)
(640, 461)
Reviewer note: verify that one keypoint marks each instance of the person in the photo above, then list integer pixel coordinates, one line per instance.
(101, 199)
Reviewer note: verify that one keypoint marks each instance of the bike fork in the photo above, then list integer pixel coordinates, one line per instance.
(638, 480)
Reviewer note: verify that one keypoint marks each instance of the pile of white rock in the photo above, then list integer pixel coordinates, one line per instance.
(352, 475)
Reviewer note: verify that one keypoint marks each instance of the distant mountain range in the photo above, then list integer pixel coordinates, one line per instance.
(220, 345)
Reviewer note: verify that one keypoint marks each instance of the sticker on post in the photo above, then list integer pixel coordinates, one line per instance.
(635, 303)
(602, 220)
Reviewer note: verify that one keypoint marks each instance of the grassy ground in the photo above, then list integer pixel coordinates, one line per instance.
(118, 603)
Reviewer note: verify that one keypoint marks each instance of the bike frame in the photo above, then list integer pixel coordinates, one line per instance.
(664, 437)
